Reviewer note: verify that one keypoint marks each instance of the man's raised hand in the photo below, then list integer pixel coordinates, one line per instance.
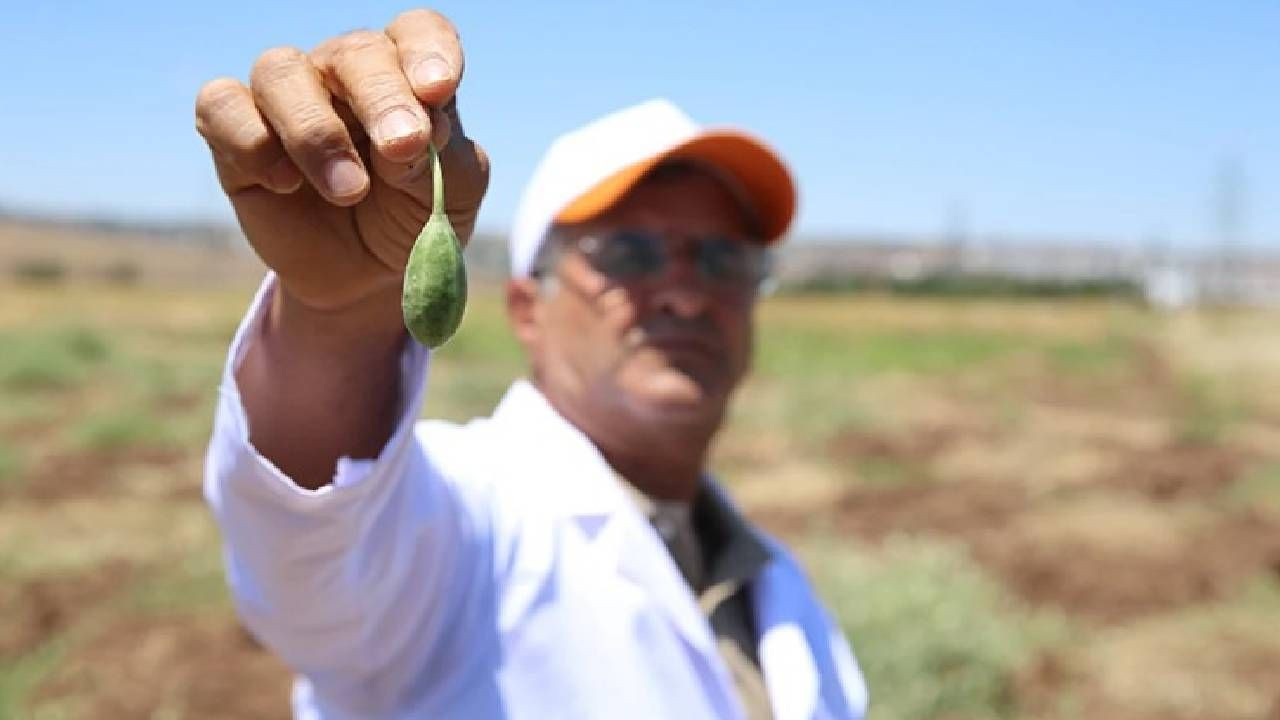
(324, 155)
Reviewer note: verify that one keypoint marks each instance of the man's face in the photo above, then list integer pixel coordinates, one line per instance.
(668, 346)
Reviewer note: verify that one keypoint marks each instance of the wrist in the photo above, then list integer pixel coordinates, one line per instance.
(318, 385)
(372, 323)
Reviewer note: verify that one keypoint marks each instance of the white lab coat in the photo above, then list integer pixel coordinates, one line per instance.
(492, 570)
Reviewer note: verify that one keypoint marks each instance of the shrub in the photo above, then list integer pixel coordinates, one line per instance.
(934, 635)
(123, 273)
(39, 271)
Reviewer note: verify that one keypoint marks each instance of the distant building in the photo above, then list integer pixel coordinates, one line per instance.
(1165, 280)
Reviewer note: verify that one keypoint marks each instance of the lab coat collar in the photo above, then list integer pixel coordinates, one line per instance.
(585, 486)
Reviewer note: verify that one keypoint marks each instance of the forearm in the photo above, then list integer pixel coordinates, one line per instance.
(317, 386)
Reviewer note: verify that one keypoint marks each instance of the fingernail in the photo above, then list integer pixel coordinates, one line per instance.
(431, 71)
(398, 125)
(343, 176)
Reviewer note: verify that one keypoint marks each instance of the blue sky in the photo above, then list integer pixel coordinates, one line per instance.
(1090, 120)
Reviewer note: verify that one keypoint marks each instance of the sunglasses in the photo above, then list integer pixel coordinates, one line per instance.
(632, 255)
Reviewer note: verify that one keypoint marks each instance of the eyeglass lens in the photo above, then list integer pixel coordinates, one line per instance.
(633, 254)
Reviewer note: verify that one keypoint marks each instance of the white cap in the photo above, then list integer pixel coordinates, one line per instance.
(585, 171)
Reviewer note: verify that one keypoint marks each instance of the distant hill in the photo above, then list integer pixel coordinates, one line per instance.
(43, 249)
(49, 250)
(207, 234)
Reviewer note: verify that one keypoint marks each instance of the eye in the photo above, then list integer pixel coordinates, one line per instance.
(727, 260)
(629, 253)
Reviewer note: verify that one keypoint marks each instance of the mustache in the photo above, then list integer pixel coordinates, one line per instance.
(667, 328)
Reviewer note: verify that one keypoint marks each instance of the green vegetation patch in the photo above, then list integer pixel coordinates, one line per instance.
(1206, 411)
(470, 373)
(935, 636)
(50, 360)
(1091, 357)
(1259, 489)
(11, 464)
(886, 472)
(19, 677)
(193, 584)
(812, 411)
(970, 285)
(799, 351)
(459, 393)
(120, 430)
(485, 336)
(21, 411)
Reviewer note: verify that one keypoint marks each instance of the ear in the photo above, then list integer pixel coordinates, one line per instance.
(523, 299)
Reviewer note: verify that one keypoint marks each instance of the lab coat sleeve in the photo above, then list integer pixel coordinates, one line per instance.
(364, 587)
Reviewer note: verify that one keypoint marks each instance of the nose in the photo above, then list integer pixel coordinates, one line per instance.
(680, 290)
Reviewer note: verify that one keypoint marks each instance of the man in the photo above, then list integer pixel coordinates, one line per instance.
(567, 557)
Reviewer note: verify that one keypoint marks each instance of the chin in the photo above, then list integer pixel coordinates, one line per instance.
(673, 396)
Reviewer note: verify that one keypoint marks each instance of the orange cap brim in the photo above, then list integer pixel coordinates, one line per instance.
(760, 171)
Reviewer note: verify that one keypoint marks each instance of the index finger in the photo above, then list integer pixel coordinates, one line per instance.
(430, 53)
